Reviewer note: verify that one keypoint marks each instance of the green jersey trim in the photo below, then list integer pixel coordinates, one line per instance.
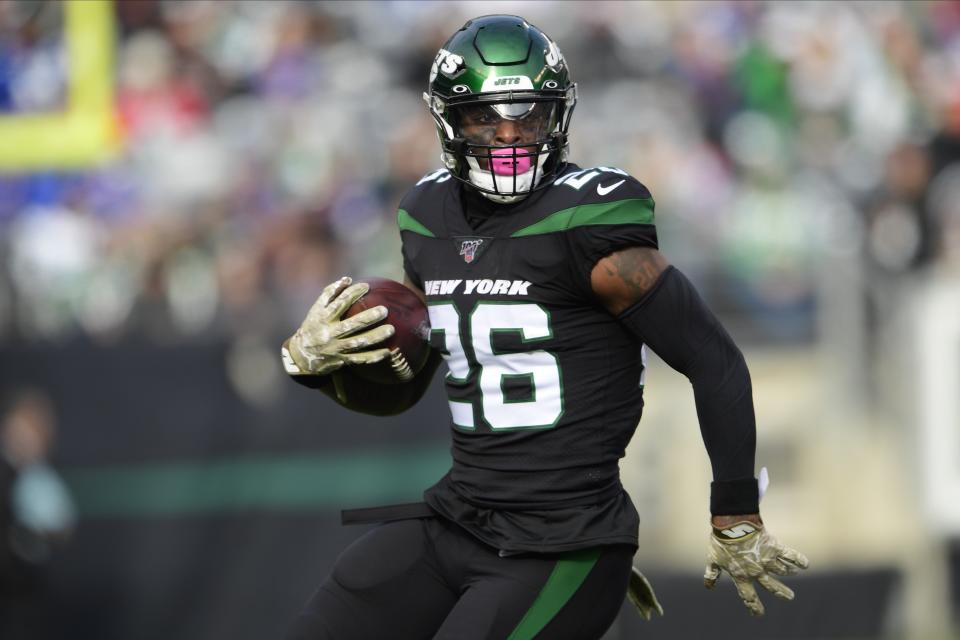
(567, 576)
(630, 211)
(407, 222)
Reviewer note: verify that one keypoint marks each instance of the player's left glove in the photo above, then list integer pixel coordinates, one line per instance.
(747, 552)
(642, 596)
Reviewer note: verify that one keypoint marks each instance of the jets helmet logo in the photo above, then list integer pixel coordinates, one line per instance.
(469, 248)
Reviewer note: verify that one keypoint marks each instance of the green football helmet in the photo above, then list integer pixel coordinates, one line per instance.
(501, 95)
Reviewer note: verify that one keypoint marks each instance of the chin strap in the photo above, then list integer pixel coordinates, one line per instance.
(493, 197)
(484, 181)
(487, 183)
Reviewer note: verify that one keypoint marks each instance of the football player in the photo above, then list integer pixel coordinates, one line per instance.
(545, 287)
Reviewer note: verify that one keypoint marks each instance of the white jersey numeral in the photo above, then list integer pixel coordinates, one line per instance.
(544, 407)
(576, 179)
(445, 319)
(438, 176)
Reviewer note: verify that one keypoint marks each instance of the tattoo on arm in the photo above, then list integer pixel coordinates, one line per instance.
(638, 269)
(624, 277)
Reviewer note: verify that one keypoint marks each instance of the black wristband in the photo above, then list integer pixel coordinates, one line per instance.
(734, 497)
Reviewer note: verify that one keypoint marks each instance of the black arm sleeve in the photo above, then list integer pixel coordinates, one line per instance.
(673, 320)
(371, 398)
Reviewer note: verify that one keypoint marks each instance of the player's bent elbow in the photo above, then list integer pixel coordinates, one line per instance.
(372, 398)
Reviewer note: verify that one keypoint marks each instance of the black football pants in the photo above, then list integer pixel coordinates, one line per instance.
(427, 578)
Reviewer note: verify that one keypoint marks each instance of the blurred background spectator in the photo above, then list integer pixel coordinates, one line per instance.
(805, 158)
(267, 144)
(36, 512)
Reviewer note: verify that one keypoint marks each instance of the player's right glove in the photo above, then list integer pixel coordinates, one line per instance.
(324, 342)
(747, 552)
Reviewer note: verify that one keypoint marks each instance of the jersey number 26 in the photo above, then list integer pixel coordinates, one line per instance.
(470, 355)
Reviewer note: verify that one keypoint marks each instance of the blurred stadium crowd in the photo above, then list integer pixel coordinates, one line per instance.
(266, 145)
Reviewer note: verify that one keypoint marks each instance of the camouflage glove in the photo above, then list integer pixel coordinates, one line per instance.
(747, 552)
(642, 596)
(324, 343)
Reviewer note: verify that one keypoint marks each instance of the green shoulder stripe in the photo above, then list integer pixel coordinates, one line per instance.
(407, 222)
(631, 211)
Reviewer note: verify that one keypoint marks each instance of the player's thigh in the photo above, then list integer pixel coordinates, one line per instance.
(572, 597)
(384, 585)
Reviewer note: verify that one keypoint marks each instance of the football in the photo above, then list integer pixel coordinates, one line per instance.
(409, 317)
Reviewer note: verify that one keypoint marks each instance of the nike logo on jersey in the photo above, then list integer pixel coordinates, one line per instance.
(484, 287)
(602, 190)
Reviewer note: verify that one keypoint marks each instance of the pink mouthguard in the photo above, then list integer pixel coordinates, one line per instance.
(507, 165)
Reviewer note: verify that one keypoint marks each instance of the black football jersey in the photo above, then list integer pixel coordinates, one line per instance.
(545, 386)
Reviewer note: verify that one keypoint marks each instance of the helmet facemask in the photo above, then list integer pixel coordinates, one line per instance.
(504, 144)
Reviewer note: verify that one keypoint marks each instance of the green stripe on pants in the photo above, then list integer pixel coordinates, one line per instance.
(566, 577)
